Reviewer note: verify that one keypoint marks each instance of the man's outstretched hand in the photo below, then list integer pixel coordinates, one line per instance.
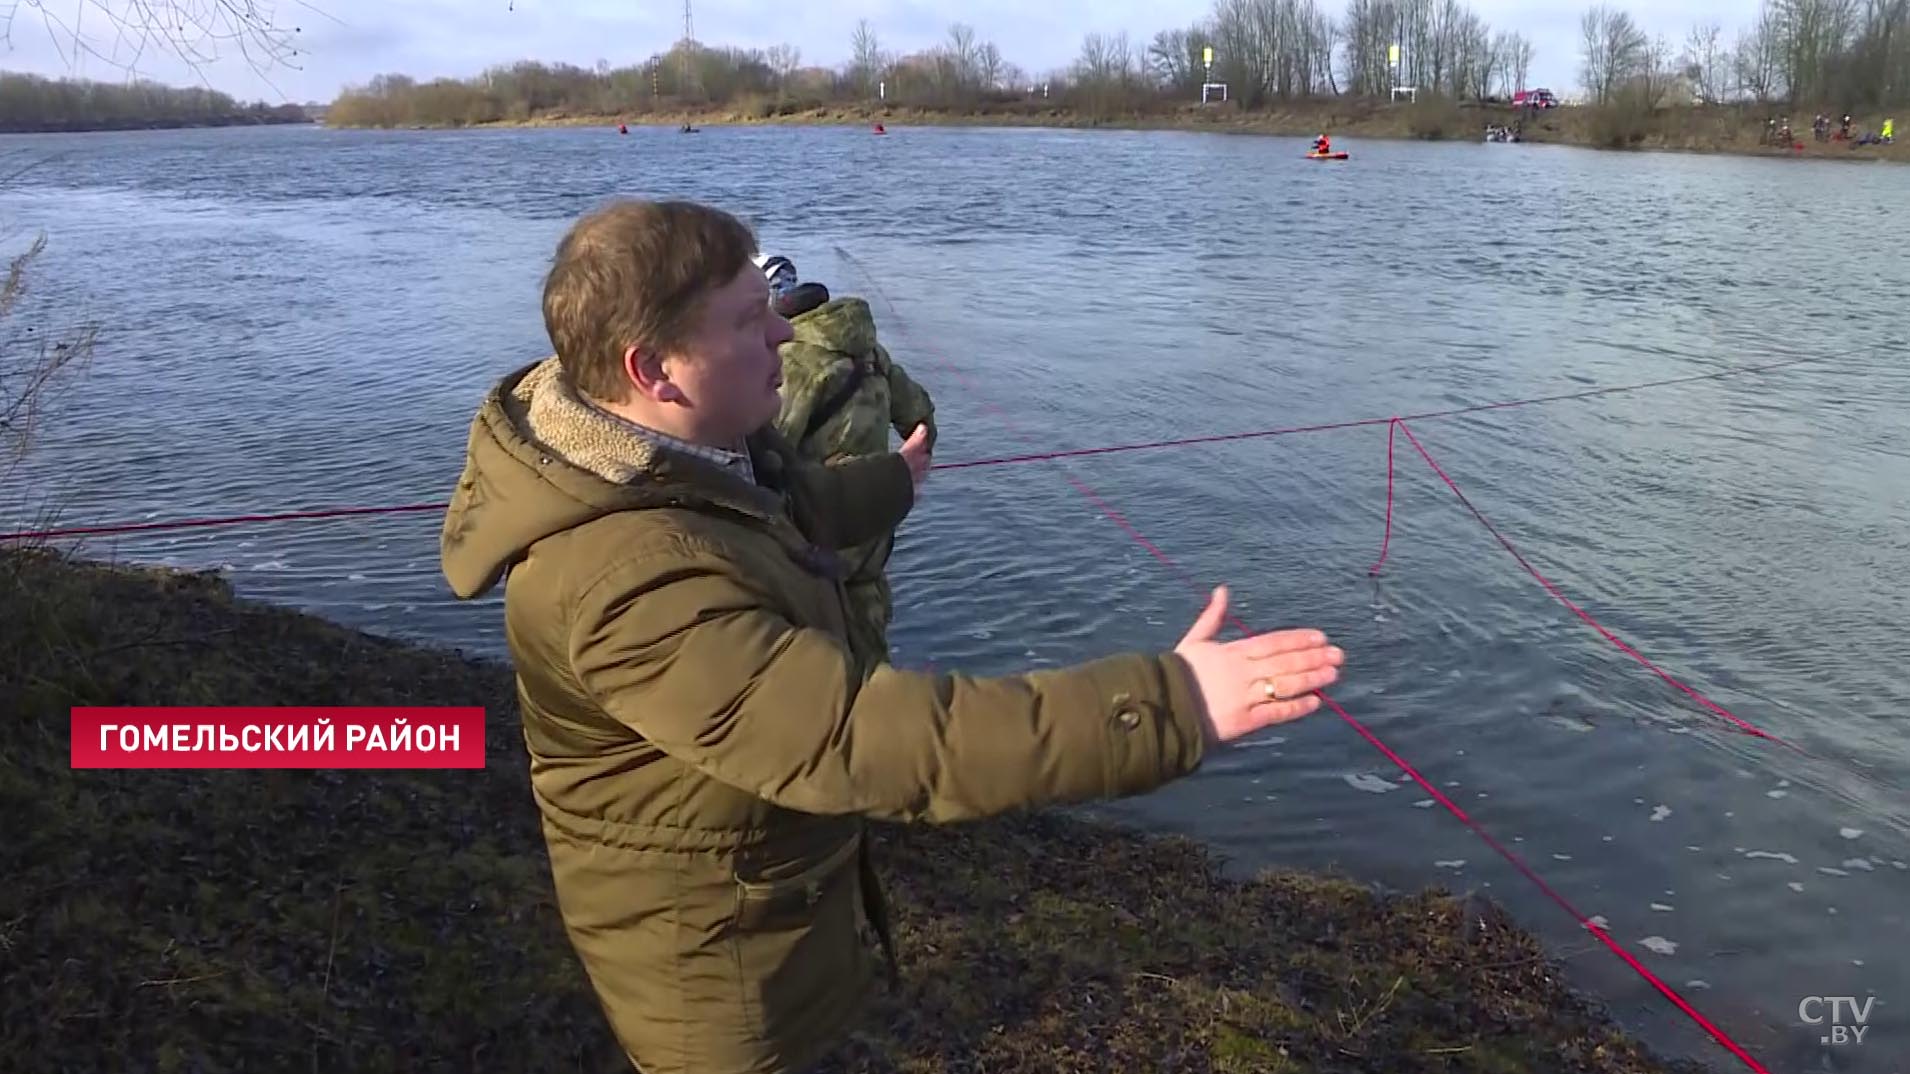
(1258, 681)
(916, 451)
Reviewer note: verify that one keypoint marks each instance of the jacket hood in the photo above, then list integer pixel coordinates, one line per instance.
(843, 325)
(541, 460)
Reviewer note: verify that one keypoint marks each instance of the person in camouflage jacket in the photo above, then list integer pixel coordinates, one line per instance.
(842, 393)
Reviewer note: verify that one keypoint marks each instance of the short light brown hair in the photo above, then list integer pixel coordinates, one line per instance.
(636, 273)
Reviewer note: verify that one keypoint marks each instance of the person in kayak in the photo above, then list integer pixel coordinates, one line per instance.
(1322, 146)
(842, 393)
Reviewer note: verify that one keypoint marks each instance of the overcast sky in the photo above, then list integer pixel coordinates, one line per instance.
(347, 41)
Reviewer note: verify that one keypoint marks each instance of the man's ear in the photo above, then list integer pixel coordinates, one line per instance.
(649, 375)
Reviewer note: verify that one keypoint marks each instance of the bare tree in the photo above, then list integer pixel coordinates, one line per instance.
(783, 59)
(1759, 58)
(866, 66)
(123, 33)
(1614, 50)
(1704, 62)
(962, 56)
(989, 66)
(1519, 61)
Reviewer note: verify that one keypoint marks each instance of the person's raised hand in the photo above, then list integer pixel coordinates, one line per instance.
(915, 451)
(1257, 681)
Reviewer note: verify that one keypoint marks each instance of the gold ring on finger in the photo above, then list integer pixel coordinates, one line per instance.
(1267, 687)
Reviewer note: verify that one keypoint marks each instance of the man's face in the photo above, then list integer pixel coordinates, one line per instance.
(729, 370)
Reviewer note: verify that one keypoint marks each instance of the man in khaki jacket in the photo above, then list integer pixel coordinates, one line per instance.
(704, 738)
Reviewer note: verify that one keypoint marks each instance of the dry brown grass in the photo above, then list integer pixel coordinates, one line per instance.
(384, 921)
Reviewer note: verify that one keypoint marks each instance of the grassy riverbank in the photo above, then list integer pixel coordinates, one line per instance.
(371, 921)
(1731, 129)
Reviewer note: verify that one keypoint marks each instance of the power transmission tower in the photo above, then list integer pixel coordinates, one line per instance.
(689, 47)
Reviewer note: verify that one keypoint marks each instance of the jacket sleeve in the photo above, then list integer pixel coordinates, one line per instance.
(909, 402)
(852, 501)
(683, 650)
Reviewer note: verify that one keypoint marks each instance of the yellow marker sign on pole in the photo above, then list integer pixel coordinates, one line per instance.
(1392, 55)
(1207, 55)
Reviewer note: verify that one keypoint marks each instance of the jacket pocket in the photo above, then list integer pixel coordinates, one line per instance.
(797, 948)
(770, 902)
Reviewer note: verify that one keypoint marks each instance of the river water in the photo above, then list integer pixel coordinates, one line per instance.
(298, 318)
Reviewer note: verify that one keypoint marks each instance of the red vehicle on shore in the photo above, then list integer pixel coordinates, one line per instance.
(1534, 98)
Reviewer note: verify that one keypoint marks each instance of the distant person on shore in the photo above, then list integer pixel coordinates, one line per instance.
(842, 393)
(1889, 131)
(705, 735)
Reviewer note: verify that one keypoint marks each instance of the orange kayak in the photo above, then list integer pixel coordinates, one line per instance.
(1337, 155)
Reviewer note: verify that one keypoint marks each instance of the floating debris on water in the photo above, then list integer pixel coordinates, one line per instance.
(1660, 812)
(1369, 783)
(1774, 856)
(1660, 945)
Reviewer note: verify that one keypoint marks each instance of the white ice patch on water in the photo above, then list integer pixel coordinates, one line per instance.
(1660, 812)
(1599, 920)
(271, 565)
(1795, 886)
(357, 578)
(1697, 985)
(1828, 871)
(1562, 857)
(1850, 833)
(1369, 783)
(1423, 803)
(1660, 945)
(1777, 794)
(1661, 908)
(1859, 863)
(1456, 863)
(1777, 856)
(1260, 743)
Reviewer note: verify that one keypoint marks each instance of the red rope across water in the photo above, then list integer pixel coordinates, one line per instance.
(217, 521)
(1399, 426)
(1518, 863)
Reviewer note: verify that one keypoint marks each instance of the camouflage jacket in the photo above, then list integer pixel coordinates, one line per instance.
(835, 344)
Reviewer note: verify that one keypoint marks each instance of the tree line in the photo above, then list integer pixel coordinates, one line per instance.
(1264, 50)
(31, 103)
(1845, 54)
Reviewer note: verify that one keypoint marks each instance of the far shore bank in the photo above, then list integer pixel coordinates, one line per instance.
(371, 920)
(1727, 130)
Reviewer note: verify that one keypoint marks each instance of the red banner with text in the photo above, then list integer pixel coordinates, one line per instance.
(278, 737)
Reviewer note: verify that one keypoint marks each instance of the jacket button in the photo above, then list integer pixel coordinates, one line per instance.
(1128, 718)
